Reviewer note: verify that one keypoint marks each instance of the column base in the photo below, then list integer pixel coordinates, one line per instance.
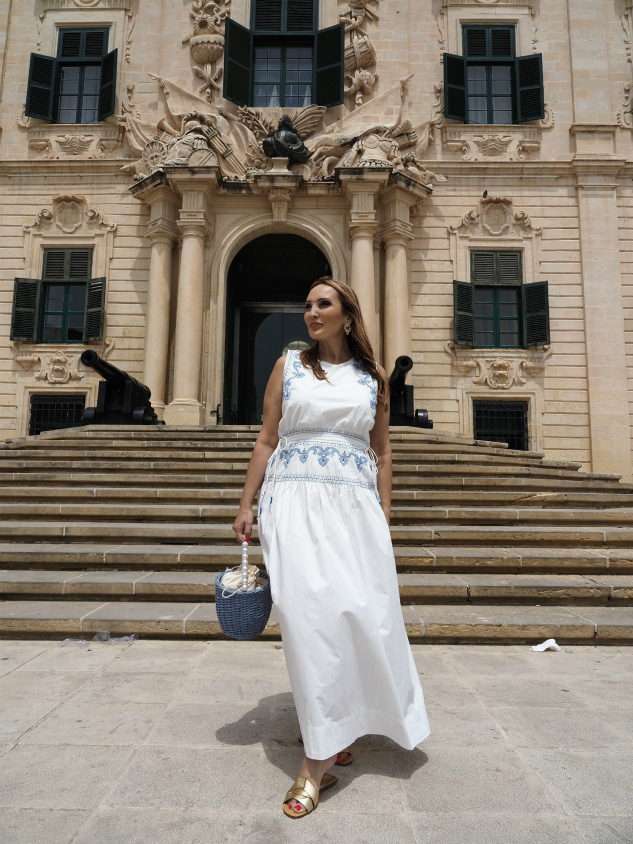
(181, 412)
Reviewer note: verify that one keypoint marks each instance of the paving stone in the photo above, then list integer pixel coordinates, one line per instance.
(125, 618)
(211, 725)
(58, 777)
(428, 587)
(13, 653)
(613, 623)
(189, 585)
(550, 727)
(30, 826)
(163, 826)
(541, 588)
(77, 722)
(368, 828)
(586, 783)
(104, 584)
(492, 829)
(605, 830)
(43, 616)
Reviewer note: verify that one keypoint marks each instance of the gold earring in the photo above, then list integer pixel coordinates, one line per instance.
(347, 327)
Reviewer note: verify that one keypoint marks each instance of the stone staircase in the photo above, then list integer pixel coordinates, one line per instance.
(124, 529)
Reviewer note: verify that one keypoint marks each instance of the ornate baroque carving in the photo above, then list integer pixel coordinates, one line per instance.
(360, 55)
(498, 370)
(53, 142)
(57, 365)
(70, 212)
(495, 218)
(506, 143)
(207, 43)
(625, 112)
(131, 21)
(279, 200)
(627, 27)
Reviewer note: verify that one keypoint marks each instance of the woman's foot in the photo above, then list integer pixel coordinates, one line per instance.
(312, 770)
(342, 758)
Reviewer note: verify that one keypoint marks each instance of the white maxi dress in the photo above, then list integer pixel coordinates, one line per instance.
(327, 548)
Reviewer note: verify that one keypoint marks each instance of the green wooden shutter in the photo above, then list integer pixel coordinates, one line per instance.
(501, 42)
(535, 314)
(107, 92)
(454, 87)
(301, 16)
(329, 51)
(238, 63)
(95, 43)
(26, 302)
(71, 44)
(509, 267)
(463, 313)
(530, 94)
(79, 264)
(95, 303)
(41, 87)
(267, 16)
(476, 42)
(67, 264)
(482, 267)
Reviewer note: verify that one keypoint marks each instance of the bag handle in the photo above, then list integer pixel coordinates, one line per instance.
(245, 563)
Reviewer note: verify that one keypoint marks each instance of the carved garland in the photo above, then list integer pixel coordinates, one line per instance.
(360, 55)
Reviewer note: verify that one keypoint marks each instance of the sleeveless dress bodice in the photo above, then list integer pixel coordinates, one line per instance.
(327, 548)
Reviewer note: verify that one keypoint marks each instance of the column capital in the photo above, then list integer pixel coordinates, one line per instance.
(196, 215)
(162, 230)
(395, 233)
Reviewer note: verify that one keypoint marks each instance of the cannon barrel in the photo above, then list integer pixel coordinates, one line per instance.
(122, 400)
(112, 374)
(403, 411)
(404, 364)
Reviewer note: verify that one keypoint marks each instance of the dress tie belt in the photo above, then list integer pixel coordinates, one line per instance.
(313, 434)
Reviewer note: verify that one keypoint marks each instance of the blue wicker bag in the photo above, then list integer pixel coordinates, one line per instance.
(243, 614)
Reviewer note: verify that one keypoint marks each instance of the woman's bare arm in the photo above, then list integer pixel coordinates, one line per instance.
(265, 444)
(379, 441)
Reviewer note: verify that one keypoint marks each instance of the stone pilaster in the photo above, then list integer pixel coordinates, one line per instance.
(361, 186)
(163, 233)
(195, 225)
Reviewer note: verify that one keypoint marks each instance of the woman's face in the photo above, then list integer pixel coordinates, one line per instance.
(324, 313)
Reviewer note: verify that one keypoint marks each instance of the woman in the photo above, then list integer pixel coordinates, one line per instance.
(324, 457)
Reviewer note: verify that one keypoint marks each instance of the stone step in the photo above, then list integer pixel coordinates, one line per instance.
(205, 557)
(430, 623)
(455, 485)
(414, 588)
(192, 533)
(220, 513)
(400, 497)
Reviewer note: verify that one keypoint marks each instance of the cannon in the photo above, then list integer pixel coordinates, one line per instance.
(122, 400)
(402, 409)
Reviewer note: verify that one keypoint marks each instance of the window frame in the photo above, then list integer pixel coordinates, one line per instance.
(82, 63)
(488, 62)
(283, 42)
(66, 313)
(497, 318)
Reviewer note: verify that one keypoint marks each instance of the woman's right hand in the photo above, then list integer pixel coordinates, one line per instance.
(243, 524)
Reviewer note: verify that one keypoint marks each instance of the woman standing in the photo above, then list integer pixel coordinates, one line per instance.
(324, 458)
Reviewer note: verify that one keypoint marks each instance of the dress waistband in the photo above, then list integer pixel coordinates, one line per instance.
(323, 433)
(351, 439)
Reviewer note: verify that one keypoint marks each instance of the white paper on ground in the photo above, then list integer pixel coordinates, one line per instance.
(547, 645)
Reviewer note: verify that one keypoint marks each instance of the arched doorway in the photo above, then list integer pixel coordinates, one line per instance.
(267, 284)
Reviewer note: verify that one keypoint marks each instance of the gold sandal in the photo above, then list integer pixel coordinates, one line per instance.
(348, 761)
(306, 794)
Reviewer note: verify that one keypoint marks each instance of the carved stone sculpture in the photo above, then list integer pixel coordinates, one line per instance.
(207, 43)
(284, 142)
(359, 52)
(192, 147)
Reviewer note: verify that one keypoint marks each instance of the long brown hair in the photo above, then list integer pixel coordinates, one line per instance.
(358, 339)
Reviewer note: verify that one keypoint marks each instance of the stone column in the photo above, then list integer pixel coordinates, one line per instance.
(396, 231)
(194, 224)
(163, 234)
(361, 186)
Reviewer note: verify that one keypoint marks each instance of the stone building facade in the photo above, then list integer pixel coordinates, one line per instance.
(459, 154)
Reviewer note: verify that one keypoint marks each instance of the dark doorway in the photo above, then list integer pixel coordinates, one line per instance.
(502, 422)
(267, 285)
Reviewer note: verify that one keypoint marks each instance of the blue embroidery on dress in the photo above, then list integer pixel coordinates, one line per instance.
(295, 362)
(337, 431)
(323, 454)
(329, 479)
(368, 381)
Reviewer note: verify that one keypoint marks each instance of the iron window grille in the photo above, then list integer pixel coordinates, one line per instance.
(496, 310)
(65, 306)
(284, 60)
(78, 85)
(488, 83)
(50, 412)
(502, 422)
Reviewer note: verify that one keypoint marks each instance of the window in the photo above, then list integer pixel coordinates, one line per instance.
(496, 310)
(283, 60)
(79, 84)
(489, 84)
(52, 412)
(64, 306)
(501, 422)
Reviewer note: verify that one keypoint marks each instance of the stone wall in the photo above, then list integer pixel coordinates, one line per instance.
(566, 177)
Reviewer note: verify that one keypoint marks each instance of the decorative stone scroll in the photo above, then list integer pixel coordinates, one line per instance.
(72, 141)
(70, 213)
(625, 112)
